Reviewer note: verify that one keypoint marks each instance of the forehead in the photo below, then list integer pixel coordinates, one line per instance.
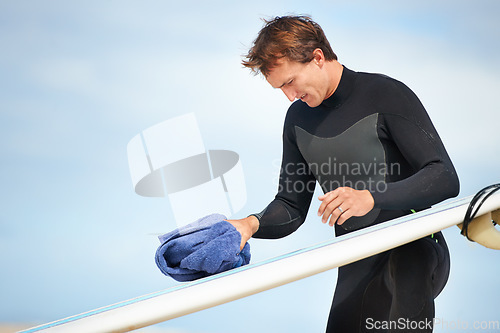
(283, 71)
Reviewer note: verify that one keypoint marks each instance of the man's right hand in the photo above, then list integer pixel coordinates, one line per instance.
(246, 227)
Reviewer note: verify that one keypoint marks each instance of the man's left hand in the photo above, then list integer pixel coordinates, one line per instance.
(344, 202)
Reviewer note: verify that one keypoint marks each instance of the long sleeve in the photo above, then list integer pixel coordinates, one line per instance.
(288, 210)
(407, 125)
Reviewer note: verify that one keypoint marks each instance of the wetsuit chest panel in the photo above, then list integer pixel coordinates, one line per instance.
(355, 158)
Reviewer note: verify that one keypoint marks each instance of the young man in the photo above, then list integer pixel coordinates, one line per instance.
(369, 143)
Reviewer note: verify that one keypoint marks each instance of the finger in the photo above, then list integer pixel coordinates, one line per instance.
(324, 195)
(344, 216)
(332, 209)
(326, 199)
(333, 218)
(336, 216)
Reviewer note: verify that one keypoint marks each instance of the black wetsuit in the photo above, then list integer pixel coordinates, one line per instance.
(372, 133)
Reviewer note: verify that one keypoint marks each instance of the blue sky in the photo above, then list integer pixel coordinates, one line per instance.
(79, 79)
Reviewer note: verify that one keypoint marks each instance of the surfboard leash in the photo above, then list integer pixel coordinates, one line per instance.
(480, 197)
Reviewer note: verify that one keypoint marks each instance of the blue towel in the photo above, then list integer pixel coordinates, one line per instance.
(202, 248)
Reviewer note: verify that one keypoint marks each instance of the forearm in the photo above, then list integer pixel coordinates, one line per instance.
(282, 217)
(427, 187)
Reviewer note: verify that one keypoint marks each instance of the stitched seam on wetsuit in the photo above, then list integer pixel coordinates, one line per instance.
(285, 223)
(332, 137)
(259, 215)
(290, 219)
(377, 115)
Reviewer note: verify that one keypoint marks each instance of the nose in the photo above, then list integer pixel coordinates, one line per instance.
(290, 93)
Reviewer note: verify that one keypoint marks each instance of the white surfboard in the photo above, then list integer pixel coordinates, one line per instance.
(251, 279)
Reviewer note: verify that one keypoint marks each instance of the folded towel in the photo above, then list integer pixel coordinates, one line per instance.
(202, 248)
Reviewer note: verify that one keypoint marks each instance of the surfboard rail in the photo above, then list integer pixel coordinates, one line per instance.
(244, 281)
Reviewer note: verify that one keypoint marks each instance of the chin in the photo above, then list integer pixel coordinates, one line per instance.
(312, 104)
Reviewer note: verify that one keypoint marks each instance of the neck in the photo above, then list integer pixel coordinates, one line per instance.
(334, 70)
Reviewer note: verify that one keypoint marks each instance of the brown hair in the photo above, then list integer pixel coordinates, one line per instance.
(294, 37)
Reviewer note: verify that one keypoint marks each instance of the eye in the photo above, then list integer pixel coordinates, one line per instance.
(290, 82)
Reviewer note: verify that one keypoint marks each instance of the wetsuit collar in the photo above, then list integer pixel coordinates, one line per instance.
(343, 90)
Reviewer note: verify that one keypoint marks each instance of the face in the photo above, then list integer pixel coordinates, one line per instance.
(307, 82)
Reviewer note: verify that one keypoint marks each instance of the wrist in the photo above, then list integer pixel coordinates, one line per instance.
(253, 224)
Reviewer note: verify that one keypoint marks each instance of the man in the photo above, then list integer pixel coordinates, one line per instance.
(369, 143)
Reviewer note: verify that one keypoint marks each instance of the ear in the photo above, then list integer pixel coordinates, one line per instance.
(318, 57)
